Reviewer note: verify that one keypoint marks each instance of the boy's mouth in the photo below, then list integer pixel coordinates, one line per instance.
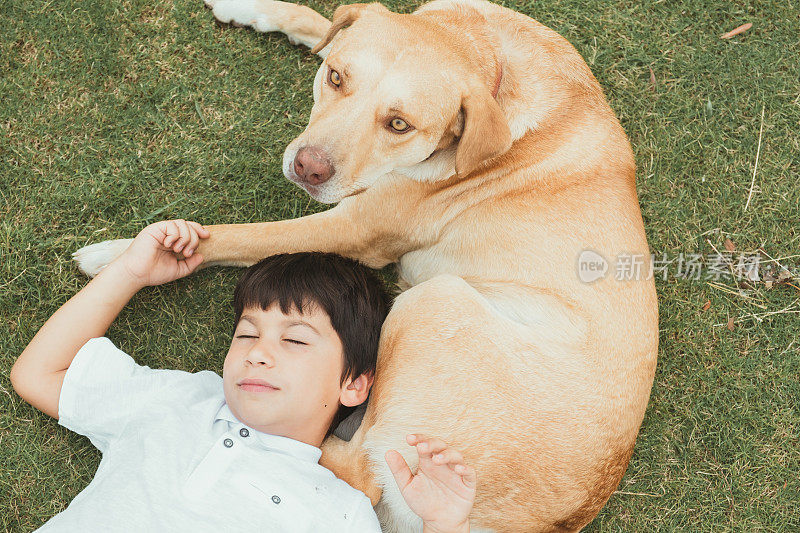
(256, 385)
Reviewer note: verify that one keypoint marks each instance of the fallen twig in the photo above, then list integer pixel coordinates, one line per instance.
(736, 31)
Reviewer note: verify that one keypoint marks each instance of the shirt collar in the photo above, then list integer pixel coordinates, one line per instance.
(292, 447)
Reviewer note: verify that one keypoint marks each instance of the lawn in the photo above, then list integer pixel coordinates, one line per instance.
(115, 114)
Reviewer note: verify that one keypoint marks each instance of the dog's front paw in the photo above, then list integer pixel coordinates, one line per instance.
(254, 13)
(93, 258)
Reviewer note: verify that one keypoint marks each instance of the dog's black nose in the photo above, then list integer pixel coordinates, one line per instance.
(312, 165)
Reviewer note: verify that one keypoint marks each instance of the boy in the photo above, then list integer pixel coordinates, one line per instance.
(195, 452)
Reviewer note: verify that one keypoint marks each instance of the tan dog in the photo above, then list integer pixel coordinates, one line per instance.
(472, 146)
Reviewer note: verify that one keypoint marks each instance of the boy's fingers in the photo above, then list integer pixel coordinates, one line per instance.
(157, 229)
(448, 456)
(187, 266)
(194, 239)
(185, 233)
(427, 447)
(201, 231)
(198, 232)
(399, 467)
(170, 233)
(468, 475)
(193, 262)
(414, 438)
(167, 230)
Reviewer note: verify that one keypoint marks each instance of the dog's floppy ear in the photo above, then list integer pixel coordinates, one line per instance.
(342, 17)
(485, 133)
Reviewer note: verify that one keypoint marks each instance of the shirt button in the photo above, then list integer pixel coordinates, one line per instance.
(228, 443)
(276, 499)
(244, 433)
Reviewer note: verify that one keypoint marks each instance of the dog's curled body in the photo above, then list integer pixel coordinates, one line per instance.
(497, 346)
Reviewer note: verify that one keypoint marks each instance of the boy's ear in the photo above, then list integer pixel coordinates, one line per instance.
(355, 391)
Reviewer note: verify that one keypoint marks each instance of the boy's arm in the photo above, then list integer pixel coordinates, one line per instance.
(442, 491)
(151, 259)
(39, 372)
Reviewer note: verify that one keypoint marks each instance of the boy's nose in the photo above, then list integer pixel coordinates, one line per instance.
(258, 356)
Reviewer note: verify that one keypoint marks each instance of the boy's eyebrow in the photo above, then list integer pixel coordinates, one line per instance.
(248, 318)
(303, 323)
(292, 323)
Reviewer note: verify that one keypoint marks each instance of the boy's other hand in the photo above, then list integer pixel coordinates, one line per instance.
(163, 252)
(442, 491)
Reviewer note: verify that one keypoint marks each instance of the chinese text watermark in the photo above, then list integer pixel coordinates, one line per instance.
(719, 266)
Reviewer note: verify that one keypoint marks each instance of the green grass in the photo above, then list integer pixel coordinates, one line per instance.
(116, 114)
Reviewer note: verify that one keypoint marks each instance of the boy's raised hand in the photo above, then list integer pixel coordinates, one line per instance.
(442, 491)
(163, 252)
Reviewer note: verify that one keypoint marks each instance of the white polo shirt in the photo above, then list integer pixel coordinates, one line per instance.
(176, 459)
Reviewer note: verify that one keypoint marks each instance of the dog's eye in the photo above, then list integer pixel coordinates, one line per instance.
(399, 125)
(334, 78)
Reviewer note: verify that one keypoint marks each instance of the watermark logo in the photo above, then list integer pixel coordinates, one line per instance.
(591, 266)
(742, 267)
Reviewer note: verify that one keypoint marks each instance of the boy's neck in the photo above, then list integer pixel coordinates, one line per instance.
(302, 431)
(310, 437)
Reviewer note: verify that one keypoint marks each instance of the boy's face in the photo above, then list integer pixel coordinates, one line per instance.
(282, 373)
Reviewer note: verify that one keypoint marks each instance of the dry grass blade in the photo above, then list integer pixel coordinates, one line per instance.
(758, 153)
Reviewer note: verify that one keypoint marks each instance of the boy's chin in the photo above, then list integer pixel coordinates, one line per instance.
(252, 415)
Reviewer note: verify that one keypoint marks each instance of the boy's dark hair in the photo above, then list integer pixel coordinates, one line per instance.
(350, 293)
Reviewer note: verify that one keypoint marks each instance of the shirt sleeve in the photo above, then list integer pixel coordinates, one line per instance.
(364, 518)
(104, 388)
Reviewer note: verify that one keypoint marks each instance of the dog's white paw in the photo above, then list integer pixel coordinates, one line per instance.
(254, 13)
(93, 258)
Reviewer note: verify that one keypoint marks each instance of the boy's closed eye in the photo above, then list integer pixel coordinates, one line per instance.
(293, 341)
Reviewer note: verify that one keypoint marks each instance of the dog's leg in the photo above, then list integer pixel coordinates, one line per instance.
(301, 24)
(370, 237)
(338, 230)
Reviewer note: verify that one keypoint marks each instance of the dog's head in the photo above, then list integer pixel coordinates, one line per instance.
(396, 93)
